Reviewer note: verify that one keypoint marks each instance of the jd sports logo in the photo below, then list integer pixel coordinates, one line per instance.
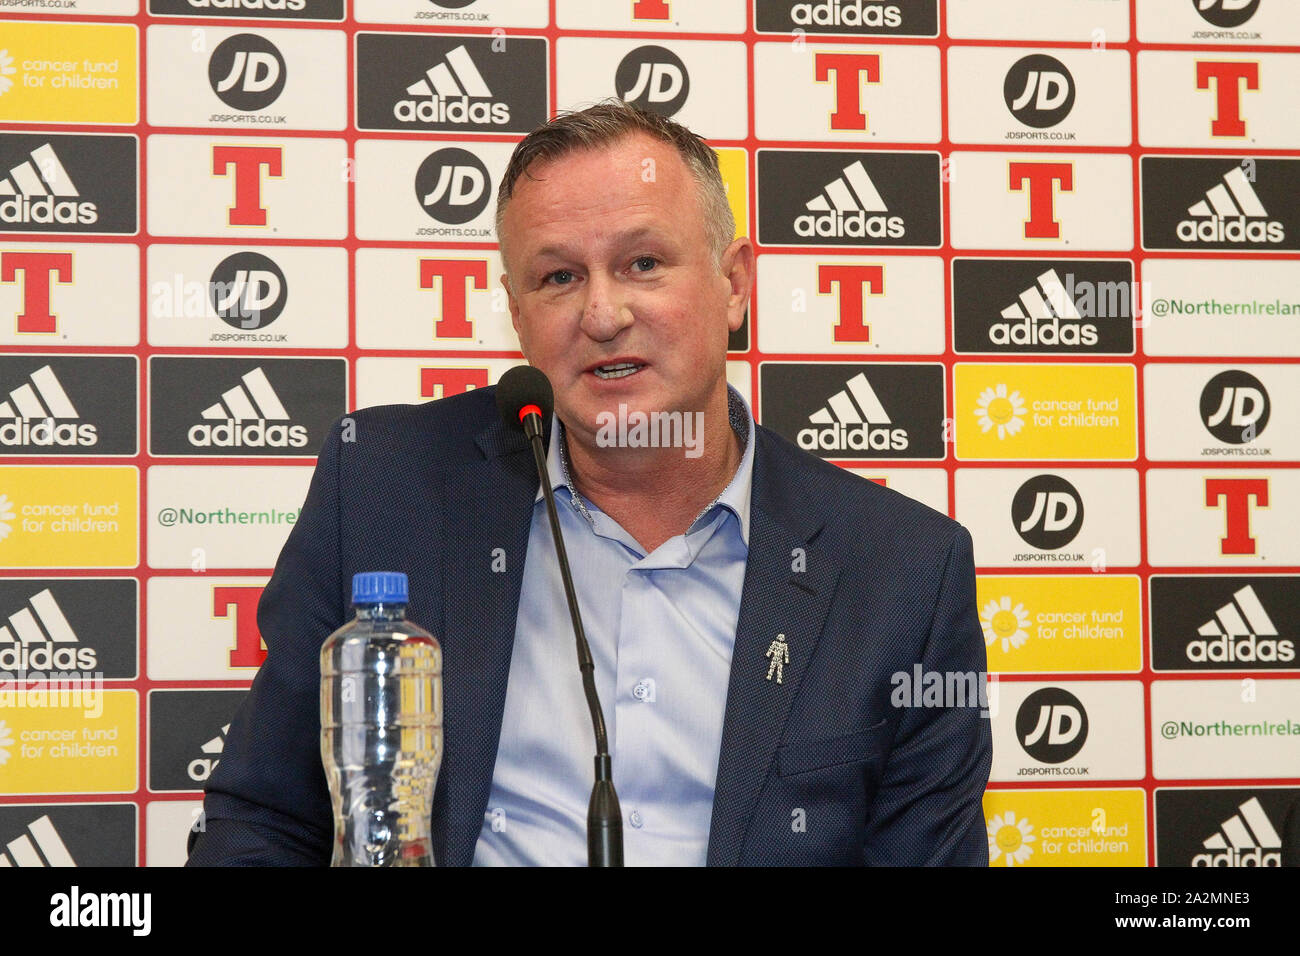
(1051, 725)
(40, 845)
(444, 83)
(220, 406)
(247, 72)
(248, 290)
(653, 78)
(1047, 512)
(1201, 203)
(1039, 91)
(861, 17)
(1226, 13)
(1234, 407)
(39, 638)
(453, 186)
(39, 417)
(82, 184)
(1214, 622)
(852, 412)
(838, 198)
(1043, 305)
(259, 9)
(1247, 838)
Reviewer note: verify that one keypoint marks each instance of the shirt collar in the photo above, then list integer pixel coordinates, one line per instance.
(735, 497)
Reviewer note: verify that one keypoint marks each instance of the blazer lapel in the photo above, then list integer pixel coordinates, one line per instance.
(787, 590)
(488, 516)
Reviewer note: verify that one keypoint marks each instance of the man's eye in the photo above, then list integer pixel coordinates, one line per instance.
(560, 277)
(644, 263)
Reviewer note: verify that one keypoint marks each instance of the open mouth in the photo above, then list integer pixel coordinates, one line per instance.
(617, 370)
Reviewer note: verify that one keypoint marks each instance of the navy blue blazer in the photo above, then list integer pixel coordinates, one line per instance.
(820, 769)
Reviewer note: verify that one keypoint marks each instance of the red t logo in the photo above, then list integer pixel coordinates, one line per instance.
(36, 269)
(441, 382)
(650, 10)
(846, 68)
(248, 162)
(851, 280)
(1226, 79)
(1236, 494)
(248, 650)
(453, 322)
(1042, 178)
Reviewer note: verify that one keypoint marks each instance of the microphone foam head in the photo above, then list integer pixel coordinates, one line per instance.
(521, 386)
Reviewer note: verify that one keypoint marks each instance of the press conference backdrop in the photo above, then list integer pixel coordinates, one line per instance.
(1032, 262)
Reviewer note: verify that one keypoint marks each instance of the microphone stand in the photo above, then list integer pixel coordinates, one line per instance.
(604, 817)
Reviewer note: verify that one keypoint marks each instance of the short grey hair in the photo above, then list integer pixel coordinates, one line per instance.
(606, 123)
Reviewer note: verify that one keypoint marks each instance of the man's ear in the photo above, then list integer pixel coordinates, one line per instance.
(738, 270)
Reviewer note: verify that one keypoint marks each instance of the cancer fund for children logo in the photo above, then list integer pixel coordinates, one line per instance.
(1046, 412)
(68, 516)
(1061, 623)
(1066, 827)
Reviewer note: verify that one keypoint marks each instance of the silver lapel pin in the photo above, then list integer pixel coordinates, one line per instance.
(779, 653)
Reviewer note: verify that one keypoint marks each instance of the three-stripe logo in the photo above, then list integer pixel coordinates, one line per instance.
(1240, 630)
(1230, 212)
(245, 416)
(39, 412)
(39, 190)
(39, 638)
(1247, 838)
(849, 206)
(452, 91)
(853, 419)
(41, 845)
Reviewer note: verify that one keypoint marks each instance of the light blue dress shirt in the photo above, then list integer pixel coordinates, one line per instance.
(661, 628)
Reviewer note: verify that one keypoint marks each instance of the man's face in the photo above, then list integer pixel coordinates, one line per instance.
(609, 265)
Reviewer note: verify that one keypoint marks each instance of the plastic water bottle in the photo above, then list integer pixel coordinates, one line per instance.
(381, 728)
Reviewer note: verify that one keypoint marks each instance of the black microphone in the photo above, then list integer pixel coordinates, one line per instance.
(525, 399)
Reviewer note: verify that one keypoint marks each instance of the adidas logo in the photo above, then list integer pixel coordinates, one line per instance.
(447, 90)
(849, 207)
(852, 419)
(294, 5)
(1246, 838)
(41, 845)
(200, 768)
(1230, 212)
(1241, 630)
(39, 190)
(243, 413)
(41, 639)
(846, 13)
(1043, 315)
(31, 412)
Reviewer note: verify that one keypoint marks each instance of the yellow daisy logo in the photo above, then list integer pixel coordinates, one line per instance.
(6, 741)
(1002, 622)
(6, 516)
(7, 70)
(1009, 839)
(995, 408)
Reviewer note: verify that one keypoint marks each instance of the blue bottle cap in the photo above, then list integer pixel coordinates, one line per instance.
(379, 587)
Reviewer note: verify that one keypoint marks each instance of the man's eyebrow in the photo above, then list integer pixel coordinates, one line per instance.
(641, 233)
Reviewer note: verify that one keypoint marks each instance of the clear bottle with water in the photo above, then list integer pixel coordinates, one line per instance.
(381, 728)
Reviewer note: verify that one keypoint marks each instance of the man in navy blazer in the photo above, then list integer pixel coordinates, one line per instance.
(842, 762)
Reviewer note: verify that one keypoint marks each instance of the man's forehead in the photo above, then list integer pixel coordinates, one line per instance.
(636, 161)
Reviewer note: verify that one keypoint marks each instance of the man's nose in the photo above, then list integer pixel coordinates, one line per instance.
(605, 311)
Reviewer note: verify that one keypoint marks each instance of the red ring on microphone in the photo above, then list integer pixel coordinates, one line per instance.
(529, 410)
